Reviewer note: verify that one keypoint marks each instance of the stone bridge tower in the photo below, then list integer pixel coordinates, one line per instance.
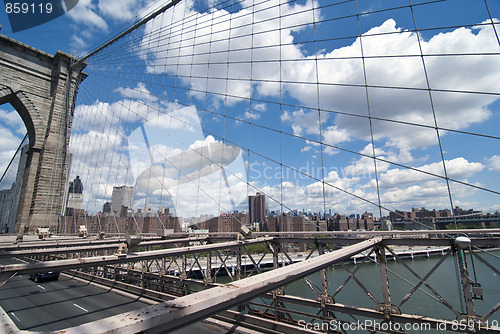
(42, 88)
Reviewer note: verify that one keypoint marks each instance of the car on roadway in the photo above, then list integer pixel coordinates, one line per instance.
(44, 276)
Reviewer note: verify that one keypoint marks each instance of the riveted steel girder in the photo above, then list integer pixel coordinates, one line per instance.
(187, 309)
(7, 271)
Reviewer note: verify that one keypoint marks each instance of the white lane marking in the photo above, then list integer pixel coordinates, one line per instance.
(15, 316)
(41, 287)
(81, 308)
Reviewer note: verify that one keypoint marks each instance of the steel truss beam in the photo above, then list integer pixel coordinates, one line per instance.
(435, 324)
(266, 324)
(148, 270)
(187, 309)
(78, 246)
(50, 247)
(249, 321)
(63, 242)
(8, 270)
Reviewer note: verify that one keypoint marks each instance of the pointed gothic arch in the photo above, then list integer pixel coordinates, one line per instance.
(24, 107)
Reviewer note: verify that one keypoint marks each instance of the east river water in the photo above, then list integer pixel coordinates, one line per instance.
(401, 281)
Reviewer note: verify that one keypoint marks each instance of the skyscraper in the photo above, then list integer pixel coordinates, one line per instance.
(257, 208)
(106, 208)
(122, 196)
(75, 194)
(76, 187)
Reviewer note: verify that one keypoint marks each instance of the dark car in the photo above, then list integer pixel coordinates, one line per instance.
(42, 277)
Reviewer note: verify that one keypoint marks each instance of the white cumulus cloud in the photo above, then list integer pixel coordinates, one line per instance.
(458, 168)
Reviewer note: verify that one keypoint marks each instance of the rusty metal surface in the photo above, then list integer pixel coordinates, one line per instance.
(444, 325)
(81, 246)
(117, 259)
(152, 266)
(184, 310)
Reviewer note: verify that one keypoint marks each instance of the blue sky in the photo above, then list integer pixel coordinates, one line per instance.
(318, 111)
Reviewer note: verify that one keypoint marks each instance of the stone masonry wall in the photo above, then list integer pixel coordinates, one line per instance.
(37, 86)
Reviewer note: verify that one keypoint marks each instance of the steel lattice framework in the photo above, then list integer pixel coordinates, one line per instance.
(181, 276)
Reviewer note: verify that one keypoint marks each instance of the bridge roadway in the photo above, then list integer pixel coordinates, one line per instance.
(60, 304)
(69, 302)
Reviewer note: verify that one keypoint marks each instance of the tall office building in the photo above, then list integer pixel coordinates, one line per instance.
(76, 186)
(257, 208)
(122, 196)
(75, 194)
(106, 208)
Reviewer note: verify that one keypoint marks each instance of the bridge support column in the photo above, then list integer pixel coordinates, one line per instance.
(274, 247)
(324, 298)
(387, 308)
(42, 88)
(208, 275)
(238, 263)
(466, 283)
